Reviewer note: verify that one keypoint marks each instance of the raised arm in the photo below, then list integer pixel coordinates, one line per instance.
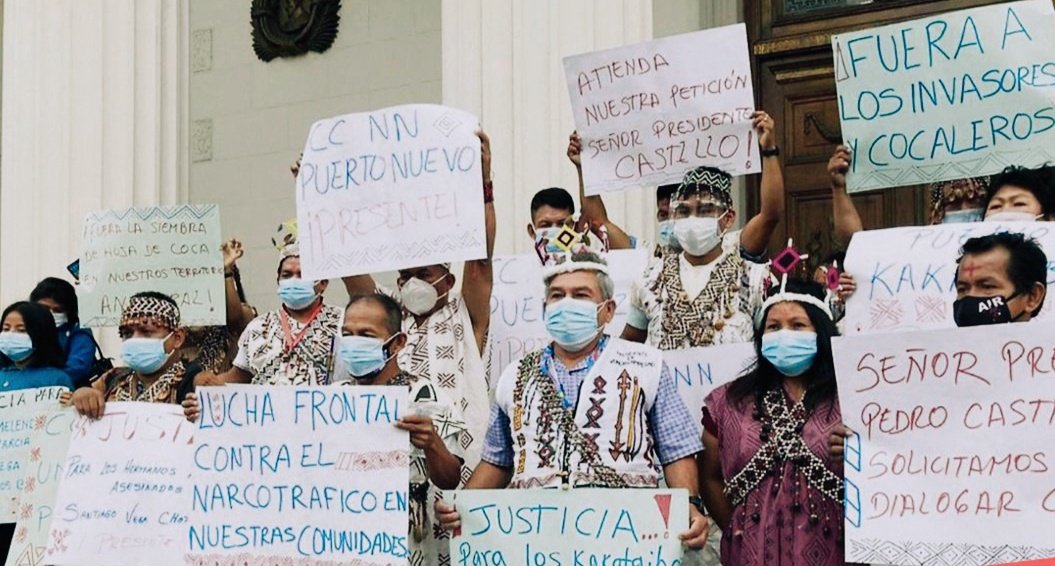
(593, 208)
(757, 232)
(237, 315)
(847, 220)
(478, 277)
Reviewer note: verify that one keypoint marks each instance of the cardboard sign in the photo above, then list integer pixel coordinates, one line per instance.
(48, 444)
(698, 371)
(286, 474)
(517, 324)
(951, 461)
(390, 189)
(649, 112)
(19, 417)
(172, 250)
(959, 95)
(528, 527)
(123, 498)
(906, 277)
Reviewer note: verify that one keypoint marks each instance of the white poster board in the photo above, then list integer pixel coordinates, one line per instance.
(698, 371)
(19, 417)
(48, 444)
(123, 499)
(172, 250)
(649, 112)
(958, 95)
(390, 189)
(906, 277)
(517, 323)
(951, 462)
(323, 469)
(528, 527)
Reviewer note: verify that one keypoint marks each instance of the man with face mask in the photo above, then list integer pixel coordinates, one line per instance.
(447, 331)
(294, 344)
(708, 293)
(592, 444)
(151, 337)
(1000, 278)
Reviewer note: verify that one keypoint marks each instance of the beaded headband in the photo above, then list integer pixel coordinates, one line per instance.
(958, 190)
(163, 312)
(713, 181)
(784, 263)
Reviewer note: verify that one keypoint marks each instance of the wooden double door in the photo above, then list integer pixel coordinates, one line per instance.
(793, 74)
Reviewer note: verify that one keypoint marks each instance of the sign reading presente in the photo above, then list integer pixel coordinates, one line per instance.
(649, 112)
(952, 457)
(390, 189)
(958, 95)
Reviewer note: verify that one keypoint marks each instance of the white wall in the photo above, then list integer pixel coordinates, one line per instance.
(249, 119)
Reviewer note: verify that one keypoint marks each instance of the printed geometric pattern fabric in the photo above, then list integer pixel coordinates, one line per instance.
(262, 349)
(940, 554)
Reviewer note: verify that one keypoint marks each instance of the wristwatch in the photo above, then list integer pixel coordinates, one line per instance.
(771, 152)
(697, 502)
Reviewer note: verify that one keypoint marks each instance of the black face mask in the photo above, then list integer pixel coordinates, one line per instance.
(979, 311)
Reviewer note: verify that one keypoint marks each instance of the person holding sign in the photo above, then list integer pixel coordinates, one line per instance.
(294, 344)
(542, 436)
(708, 293)
(447, 331)
(768, 478)
(30, 343)
(1000, 278)
(151, 337)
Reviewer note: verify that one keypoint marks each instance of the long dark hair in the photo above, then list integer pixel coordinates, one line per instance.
(820, 378)
(60, 291)
(40, 326)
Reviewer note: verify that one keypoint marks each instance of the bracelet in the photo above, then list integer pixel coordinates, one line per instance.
(770, 152)
(489, 192)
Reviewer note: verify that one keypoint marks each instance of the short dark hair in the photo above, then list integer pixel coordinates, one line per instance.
(393, 312)
(1027, 263)
(553, 197)
(1038, 181)
(40, 326)
(60, 291)
(666, 192)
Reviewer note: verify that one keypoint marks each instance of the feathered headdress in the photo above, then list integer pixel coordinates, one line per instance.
(564, 251)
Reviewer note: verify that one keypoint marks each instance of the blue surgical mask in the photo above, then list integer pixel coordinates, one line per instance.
(666, 235)
(572, 323)
(550, 235)
(297, 294)
(364, 357)
(16, 345)
(790, 351)
(963, 216)
(145, 355)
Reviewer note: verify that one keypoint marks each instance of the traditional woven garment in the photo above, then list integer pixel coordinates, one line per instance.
(264, 352)
(128, 386)
(210, 347)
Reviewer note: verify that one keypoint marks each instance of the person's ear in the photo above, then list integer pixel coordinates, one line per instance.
(321, 286)
(531, 231)
(606, 313)
(1035, 297)
(397, 344)
(178, 338)
(729, 220)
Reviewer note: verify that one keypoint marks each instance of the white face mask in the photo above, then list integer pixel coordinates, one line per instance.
(419, 296)
(1012, 216)
(697, 236)
(60, 318)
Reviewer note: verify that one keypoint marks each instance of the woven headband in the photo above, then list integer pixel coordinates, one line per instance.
(163, 312)
(785, 297)
(716, 182)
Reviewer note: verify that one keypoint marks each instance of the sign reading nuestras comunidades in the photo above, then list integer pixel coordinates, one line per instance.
(649, 112)
(959, 95)
(172, 250)
(390, 189)
(951, 460)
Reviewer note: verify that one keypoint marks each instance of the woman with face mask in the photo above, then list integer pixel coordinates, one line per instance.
(82, 352)
(29, 345)
(151, 337)
(767, 474)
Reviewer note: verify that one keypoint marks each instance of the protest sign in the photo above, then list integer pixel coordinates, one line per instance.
(951, 458)
(172, 250)
(18, 419)
(959, 95)
(649, 112)
(698, 371)
(300, 473)
(390, 189)
(123, 498)
(517, 325)
(48, 444)
(529, 527)
(906, 277)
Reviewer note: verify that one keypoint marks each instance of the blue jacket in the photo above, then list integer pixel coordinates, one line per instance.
(13, 379)
(79, 346)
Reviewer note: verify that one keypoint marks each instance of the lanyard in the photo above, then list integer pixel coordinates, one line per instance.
(291, 341)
